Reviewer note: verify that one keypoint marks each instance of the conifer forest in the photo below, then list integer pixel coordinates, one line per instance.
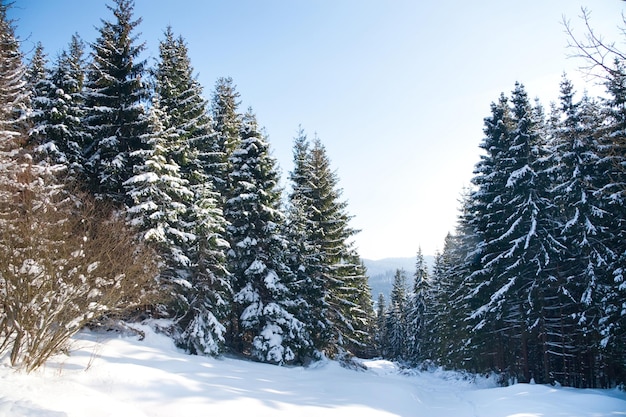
(126, 195)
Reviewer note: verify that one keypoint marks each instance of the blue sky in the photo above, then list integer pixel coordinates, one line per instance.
(396, 90)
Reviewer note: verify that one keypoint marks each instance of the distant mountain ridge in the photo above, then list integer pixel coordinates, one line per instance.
(381, 273)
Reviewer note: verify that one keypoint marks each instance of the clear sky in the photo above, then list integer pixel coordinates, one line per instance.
(396, 89)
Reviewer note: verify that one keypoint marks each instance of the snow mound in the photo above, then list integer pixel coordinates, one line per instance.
(25, 409)
(381, 367)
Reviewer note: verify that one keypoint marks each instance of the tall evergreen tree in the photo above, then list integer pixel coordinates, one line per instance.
(482, 223)
(210, 296)
(380, 340)
(341, 321)
(41, 89)
(266, 326)
(190, 145)
(161, 197)
(181, 99)
(608, 58)
(303, 253)
(227, 122)
(115, 94)
(574, 291)
(396, 328)
(446, 331)
(417, 305)
(14, 94)
(612, 168)
(62, 135)
(516, 261)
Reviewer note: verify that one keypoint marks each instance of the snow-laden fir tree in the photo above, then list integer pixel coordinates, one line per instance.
(160, 199)
(14, 93)
(609, 61)
(346, 289)
(266, 326)
(163, 211)
(210, 296)
(41, 90)
(304, 253)
(15, 163)
(226, 126)
(60, 132)
(336, 288)
(115, 92)
(573, 294)
(396, 328)
(418, 301)
(515, 263)
(379, 335)
(612, 168)
(181, 99)
(191, 146)
(444, 331)
(480, 223)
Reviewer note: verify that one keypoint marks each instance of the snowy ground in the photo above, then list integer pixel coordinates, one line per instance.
(108, 375)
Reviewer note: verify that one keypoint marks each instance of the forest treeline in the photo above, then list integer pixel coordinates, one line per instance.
(126, 195)
(532, 283)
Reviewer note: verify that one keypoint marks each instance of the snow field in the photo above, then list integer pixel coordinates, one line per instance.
(111, 375)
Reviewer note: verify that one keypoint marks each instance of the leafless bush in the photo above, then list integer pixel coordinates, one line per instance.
(64, 261)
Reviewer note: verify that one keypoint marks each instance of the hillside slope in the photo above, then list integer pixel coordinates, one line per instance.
(381, 273)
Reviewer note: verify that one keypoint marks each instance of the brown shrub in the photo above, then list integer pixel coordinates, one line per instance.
(64, 261)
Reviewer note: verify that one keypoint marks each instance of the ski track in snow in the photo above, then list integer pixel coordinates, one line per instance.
(110, 375)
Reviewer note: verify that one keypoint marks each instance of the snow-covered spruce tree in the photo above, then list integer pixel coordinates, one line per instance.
(459, 260)
(607, 60)
(13, 91)
(14, 98)
(482, 223)
(181, 99)
(41, 89)
(516, 263)
(347, 291)
(191, 145)
(396, 319)
(342, 319)
(418, 301)
(160, 199)
(573, 295)
(266, 327)
(227, 123)
(304, 253)
(58, 107)
(379, 336)
(37, 71)
(210, 296)
(115, 91)
(445, 333)
(612, 168)
(65, 134)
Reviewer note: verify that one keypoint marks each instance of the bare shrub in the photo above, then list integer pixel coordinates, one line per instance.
(64, 262)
